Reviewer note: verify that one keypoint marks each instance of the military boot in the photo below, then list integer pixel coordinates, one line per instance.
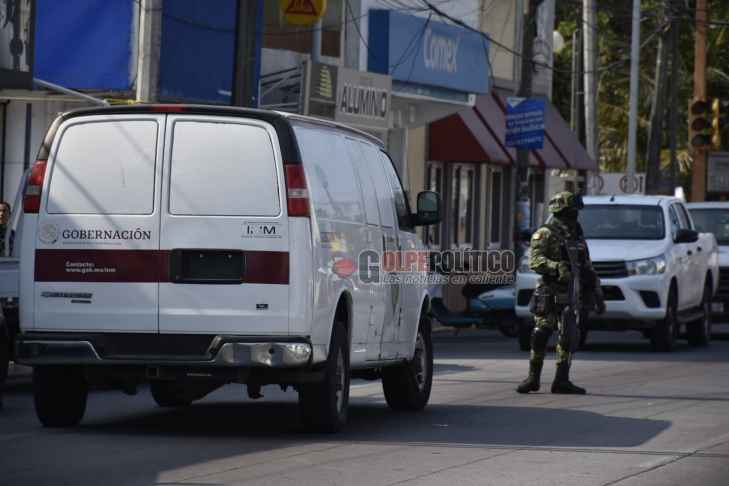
(531, 384)
(562, 383)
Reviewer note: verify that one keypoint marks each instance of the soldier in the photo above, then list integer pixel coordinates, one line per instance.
(548, 257)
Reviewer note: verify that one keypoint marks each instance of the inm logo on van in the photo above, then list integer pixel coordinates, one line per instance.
(261, 230)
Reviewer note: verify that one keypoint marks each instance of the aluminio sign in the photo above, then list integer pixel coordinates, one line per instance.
(356, 98)
(417, 50)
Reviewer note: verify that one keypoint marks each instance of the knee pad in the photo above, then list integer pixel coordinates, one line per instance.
(540, 338)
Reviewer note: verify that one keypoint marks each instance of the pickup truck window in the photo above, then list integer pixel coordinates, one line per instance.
(683, 217)
(611, 222)
(713, 220)
(674, 220)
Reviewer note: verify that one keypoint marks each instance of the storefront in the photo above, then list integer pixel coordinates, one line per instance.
(473, 142)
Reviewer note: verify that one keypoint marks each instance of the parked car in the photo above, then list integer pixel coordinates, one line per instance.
(657, 272)
(195, 246)
(713, 217)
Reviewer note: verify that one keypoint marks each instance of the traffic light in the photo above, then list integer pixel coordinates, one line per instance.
(701, 124)
(706, 122)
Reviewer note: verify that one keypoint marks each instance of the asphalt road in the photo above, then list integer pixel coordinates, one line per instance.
(648, 419)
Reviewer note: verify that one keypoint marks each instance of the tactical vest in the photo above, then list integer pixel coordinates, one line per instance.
(582, 253)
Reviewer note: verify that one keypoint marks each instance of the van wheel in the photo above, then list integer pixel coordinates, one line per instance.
(163, 393)
(665, 332)
(698, 333)
(60, 394)
(4, 355)
(408, 387)
(525, 335)
(323, 406)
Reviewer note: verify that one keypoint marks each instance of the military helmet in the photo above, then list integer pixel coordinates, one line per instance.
(565, 199)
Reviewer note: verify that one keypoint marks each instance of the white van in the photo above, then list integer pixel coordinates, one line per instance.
(195, 246)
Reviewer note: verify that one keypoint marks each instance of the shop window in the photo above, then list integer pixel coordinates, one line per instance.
(462, 206)
(496, 190)
(278, 33)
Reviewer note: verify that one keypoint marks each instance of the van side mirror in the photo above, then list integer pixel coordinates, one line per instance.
(684, 235)
(430, 208)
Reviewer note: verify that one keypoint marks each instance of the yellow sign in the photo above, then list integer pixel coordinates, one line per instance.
(303, 12)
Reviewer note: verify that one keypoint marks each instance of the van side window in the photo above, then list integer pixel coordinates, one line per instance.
(402, 205)
(223, 169)
(382, 186)
(105, 168)
(365, 180)
(334, 188)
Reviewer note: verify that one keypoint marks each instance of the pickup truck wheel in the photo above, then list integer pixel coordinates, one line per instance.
(509, 326)
(4, 356)
(408, 387)
(163, 393)
(525, 335)
(698, 333)
(323, 406)
(583, 338)
(663, 335)
(60, 394)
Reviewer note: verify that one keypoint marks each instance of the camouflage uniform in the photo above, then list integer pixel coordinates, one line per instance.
(546, 257)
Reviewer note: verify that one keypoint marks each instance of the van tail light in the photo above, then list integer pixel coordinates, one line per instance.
(35, 185)
(297, 195)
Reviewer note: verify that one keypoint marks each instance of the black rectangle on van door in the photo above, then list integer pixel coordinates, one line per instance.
(207, 266)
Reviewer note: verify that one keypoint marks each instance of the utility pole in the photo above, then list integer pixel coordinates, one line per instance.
(655, 135)
(523, 201)
(592, 127)
(150, 33)
(698, 182)
(633, 116)
(316, 41)
(245, 53)
(673, 120)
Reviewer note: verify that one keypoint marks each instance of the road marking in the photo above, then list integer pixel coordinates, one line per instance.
(660, 461)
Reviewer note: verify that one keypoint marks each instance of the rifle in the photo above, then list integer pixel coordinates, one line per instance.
(571, 309)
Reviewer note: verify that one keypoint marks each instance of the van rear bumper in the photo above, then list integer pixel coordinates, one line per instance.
(272, 352)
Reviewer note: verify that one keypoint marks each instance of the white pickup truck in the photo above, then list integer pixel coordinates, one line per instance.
(713, 217)
(10, 287)
(657, 272)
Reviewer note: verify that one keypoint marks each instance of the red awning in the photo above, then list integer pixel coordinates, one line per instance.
(478, 135)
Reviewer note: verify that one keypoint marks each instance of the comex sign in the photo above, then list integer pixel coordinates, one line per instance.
(440, 53)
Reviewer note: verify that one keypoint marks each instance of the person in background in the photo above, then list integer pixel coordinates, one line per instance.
(6, 235)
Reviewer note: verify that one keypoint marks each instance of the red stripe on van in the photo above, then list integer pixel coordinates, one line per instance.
(143, 266)
(97, 266)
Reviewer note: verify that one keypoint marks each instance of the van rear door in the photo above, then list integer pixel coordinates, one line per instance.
(224, 235)
(97, 249)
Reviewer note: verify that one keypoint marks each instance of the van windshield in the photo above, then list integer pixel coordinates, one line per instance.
(712, 220)
(624, 222)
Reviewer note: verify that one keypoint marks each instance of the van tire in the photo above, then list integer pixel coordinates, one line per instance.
(60, 394)
(408, 387)
(163, 393)
(323, 406)
(698, 333)
(4, 355)
(665, 332)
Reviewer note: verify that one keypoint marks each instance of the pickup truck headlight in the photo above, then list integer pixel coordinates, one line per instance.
(524, 265)
(652, 266)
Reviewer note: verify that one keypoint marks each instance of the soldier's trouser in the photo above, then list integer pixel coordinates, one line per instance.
(548, 325)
